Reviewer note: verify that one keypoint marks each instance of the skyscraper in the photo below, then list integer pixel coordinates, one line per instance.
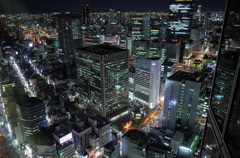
(222, 131)
(199, 10)
(180, 18)
(181, 102)
(85, 14)
(147, 81)
(103, 79)
(69, 32)
(140, 27)
(111, 15)
(119, 17)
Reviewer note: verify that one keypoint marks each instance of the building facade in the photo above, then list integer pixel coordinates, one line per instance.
(180, 18)
(147, 81)
(69, 32)
(222, 130)
(181, 102)
(103, 79)
(86, 14)
(32, 114)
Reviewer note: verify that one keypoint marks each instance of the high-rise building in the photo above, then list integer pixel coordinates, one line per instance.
(85, 14)
(126, 43)
(69, 32)
(140, 27)
(147, 81)
(199, 10)
(167, 51)
(103, 79)
(222, 130)
(111, 16)
(207, 21)
(32, 114)
(181, 101)
(119, 17)
(146, 49)
(180, 18)
(146, 27)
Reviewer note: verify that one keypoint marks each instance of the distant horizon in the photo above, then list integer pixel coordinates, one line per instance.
(75, 6)
(96, 12)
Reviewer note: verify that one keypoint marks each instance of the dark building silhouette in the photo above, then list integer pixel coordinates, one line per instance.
(85, 14)
(222, 131)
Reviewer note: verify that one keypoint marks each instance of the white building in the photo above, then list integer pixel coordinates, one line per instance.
(147, 81)
(182, 99)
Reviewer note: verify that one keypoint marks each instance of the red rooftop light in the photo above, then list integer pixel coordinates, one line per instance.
(87, 39)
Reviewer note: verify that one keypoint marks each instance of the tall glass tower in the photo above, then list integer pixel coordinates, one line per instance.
(222, 131)
(103, 79)
(180, 18)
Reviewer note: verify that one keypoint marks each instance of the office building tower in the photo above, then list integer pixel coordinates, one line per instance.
(146, 27)
(169, 52)
(195, 36)
(222, 130)
(140, 27)
(146, 49)
(32, 114)
(181, 101)
(199, 10)
(86, 14)
(147, 81)
(103, 79)
(119, 17)
(126, 43)
(111, 16)
(64, 142)
(180, 19)
(69, 33)
(207, 22)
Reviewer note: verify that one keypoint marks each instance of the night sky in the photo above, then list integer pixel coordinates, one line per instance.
(42, 6)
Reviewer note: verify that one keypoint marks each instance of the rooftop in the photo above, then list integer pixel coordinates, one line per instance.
(26, 101)
(135, 135)
(181, 75)
(60, 131)
(177, 136)
(41, 138)
(101, 49)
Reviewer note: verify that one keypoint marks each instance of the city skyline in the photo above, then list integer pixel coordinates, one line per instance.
(27, 6)
(141, 79)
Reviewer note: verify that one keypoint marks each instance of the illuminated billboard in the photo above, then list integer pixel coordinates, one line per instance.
(65, 138)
